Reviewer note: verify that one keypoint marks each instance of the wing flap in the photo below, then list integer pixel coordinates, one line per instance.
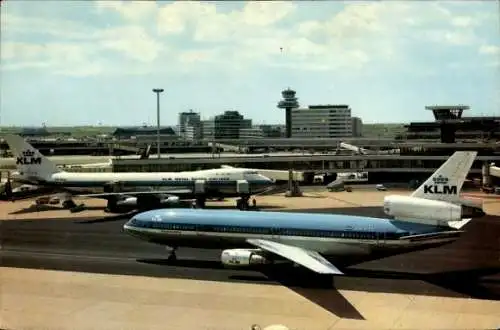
(307, 258)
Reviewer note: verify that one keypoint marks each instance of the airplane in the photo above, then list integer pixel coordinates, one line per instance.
(322, 243)
(439, 196)
(148, 189)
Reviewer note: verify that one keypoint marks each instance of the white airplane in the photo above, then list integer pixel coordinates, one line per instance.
(148, 189)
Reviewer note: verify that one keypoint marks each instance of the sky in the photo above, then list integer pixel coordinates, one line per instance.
(66, 63)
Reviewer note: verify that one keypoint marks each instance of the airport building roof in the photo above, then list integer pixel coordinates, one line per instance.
(34, 132)
(142, 130)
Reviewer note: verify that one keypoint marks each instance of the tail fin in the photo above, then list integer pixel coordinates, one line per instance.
(30, 163)
(446, 183)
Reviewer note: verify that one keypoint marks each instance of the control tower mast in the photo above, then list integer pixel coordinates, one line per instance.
(288, 103)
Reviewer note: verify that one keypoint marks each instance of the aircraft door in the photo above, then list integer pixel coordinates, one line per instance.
(275, 235)
(381, 238)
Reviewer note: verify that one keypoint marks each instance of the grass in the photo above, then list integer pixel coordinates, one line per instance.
(74, 131)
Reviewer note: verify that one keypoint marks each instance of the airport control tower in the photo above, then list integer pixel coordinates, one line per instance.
(288, 103)
(448, 116)
(447, 112)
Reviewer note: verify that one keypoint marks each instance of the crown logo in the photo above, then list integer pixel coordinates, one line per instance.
(28, 153)
(440, 180)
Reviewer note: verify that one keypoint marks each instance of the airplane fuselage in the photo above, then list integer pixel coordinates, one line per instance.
(218, 182)
(334, 236)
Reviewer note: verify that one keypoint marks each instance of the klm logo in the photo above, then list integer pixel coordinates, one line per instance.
(28, 159)
(440, 187)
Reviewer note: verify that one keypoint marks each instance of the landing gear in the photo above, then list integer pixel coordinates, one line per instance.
(68, 204)
(200, 202)
(242, 203)
(172, 258)
(111, 206)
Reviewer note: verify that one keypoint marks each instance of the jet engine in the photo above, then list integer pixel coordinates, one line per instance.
(128, 201)
(132, 201)
(243, 257)
(426, 211)
(170, 200)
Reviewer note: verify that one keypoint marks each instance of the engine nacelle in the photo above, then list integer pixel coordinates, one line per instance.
(170, 200)
(422, 210)
(132, 201)
(242, 258)
(128, 201)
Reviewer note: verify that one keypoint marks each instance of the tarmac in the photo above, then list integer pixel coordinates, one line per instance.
(80, 271)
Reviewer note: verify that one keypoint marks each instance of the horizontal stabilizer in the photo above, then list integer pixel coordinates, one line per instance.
(307, 258)
(459, 224)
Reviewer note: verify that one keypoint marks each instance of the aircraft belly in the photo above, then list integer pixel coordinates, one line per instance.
(326, 247)
(225, 190)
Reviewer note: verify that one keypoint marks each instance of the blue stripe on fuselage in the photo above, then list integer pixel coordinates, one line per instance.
(282, 220)
(155, 183)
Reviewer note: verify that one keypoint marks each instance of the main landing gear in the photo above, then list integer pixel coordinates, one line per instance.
(200, 203)
(111, 205)
(242, 203)
(172, 257)
(68, 204)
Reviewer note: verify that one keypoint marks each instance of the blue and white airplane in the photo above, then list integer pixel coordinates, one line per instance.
(323, 243)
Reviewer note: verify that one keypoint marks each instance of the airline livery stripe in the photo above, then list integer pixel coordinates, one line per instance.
(367, 235)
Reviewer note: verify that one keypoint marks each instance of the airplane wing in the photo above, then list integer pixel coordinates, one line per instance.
(307, 258)
(135, 193)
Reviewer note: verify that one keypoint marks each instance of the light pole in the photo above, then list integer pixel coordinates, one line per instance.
(158, 91)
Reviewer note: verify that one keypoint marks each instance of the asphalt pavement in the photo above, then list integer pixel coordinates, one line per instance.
(470, 266)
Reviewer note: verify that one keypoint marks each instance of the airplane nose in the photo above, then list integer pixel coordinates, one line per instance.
(132, 222)
(269, 181)
(129, 224)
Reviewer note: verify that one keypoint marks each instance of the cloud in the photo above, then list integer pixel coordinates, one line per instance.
(489, 50)
(209, 25)
(12, 24)
(492, 54)
(133, 41)
(60, 58)
(129, 10)
(148, 36)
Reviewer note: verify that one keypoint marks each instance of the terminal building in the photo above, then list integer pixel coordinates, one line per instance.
(148, 133)
(225, 126)
(263, 131)
(324, 121)
(451, 126)
(190, 125)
